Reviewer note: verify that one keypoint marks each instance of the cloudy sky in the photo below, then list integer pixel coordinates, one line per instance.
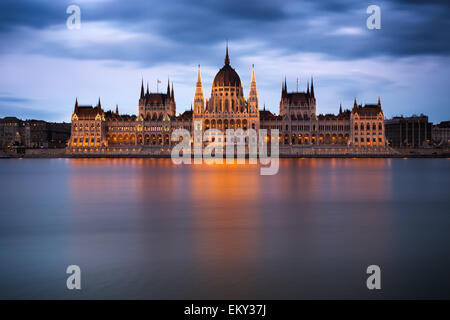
(44, 65)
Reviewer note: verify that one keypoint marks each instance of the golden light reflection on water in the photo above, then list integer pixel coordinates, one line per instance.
(226, 202)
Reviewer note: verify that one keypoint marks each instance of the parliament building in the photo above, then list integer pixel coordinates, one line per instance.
(301, 131)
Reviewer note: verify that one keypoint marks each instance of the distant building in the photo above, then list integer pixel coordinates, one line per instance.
(411, 132)
(440, 133)
(33, 133)
(11, 132)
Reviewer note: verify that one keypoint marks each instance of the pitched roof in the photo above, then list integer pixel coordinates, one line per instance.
(296, 98)
(86, 112)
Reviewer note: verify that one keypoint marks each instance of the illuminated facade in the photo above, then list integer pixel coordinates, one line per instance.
(301, 130)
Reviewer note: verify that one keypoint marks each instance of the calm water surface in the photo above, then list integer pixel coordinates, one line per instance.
(145, 228)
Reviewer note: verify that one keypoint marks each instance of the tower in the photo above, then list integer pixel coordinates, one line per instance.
(253, 94)
(199, 101)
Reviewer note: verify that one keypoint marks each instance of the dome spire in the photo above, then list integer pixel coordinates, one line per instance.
(227, 58)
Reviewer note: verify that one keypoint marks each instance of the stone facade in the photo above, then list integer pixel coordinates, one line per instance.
(300, 128)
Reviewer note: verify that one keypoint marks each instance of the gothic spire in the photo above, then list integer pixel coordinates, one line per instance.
(312, 87)
(227, 58)
(142, 88)
(117, 109)
(172, 95)
(99, 105)
(76, 105)
(253, 94)
(168, 87)
(198, 98)
(379, 102)
(253, 74)
(148, 89)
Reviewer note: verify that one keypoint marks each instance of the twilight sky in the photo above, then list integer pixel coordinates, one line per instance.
(44, 65)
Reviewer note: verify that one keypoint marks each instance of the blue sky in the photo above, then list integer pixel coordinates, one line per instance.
(44, 65)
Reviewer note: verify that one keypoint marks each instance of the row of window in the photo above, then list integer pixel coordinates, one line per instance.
(374, 127)
(334, 127)
(92, 140)
(368, 133)
(368, 139)
(86, 125)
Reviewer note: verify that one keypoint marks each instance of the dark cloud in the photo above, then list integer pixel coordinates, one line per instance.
(193, 27)
(30, 13)
(192, 32)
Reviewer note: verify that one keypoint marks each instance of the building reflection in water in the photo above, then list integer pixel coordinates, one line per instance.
(206, 228)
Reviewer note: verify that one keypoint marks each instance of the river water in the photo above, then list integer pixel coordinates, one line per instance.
(146, 228)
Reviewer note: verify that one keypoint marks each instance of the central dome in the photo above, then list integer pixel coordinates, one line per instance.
(227, 76)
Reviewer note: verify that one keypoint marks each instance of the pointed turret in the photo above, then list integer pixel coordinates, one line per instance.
(142, 89)
(227, 58)
(355, 105)
(312, 87)
(307, 87)
(253, 94)
(117, 109)
(76, 106)
(283, 89)
(379, 102)
(340, 108)
(148, 89)
(99, 106)
(168, 87)
(199, 101)
(172, 95)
